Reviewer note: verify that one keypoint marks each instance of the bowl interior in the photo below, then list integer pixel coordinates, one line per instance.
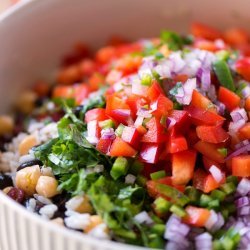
(35, 34)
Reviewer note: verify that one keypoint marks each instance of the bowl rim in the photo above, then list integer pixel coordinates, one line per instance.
(4, 199)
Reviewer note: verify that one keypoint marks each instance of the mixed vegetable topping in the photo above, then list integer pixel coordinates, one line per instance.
(156, 136)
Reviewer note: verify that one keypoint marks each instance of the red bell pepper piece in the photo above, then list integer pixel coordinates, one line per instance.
(228, 98)
(182, 120)
(243, 67)
(176, 144)
(236, 36)
(210, 151)
(131, 136)
(205, 182)
(135, 102)
(161, 106)
(154, 91)
(244, 132)
(203, 117)
(202, 102)
(98, 114)
(150, 152)
(196, 216)
(212, 134)
(204, 31)
(155, 131)
(241, 166)
(121, 148)
(104, 145)
(183, 164)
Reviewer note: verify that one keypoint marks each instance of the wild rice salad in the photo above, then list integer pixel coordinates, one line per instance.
(145, 143)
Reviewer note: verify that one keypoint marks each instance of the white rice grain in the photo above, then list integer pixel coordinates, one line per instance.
(42, 199)
(77, 221)
(48, 211)
(100, 232)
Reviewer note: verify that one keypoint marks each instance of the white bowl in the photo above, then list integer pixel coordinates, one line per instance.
(33, 37)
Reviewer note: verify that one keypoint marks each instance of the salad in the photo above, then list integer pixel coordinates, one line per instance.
(145, 143)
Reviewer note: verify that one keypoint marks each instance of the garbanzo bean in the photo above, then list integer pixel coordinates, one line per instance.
(26, 102)
(6, 124)
(95, 220)
(47, 186)
(26, 144)
(27, 178)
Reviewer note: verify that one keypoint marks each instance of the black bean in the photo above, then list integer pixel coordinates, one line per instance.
(77, 110)
(16, 194)
(29, 164)
(39, 102)
(38, 206)
(60, 201)
(5, 181)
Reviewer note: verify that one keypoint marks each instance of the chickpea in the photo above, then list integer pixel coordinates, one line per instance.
(95, 220)
(26, 102)
(79, 204)
(26, 144)
(6, 124)
(7, 189)
(27, 178)
(47, 186)
(47, 171)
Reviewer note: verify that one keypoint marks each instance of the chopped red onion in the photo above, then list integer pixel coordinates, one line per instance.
(143, 218)
(239, 151)
(235, 126)
(244, 211)
(220, 108)
(92, 132)
(242, 144)
(178, 62)
(178, 245)
(184, 94)
(215, 221)
(138, 121)
(163, 69)
(239, 114)
(130, 179)
(139, 89)
(244, 230)
(203, 241)
(212, 93)
(246, 91)
(205, 79)
(108, 133)
(216, 173)
(220, 44)
(242, 201)
(170, 122)
(144, 113)
(243, 187)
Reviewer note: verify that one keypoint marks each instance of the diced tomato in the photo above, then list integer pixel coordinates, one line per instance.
(202, 102)
(209, 150)
(41, 88)
(236, 36)
(203, 44)
(183, 164)
(182, 120)
(243, 67)
(205, 182)
(81, 92)
(128, 48)
(244, 49)
(96, 81)
(203, 117)
(241, 166)
(69, 75)
(161, 106)
(98, 114)
(180, 78)
(131, 136)
(150, 152)
(87, 67)
(155, 131)
(228, 98)
(135, 102)
(106, 54)
(104, 145)
(121, 148)
(196, 216)
(247, 104)
(113, 76)
(128, 64)
(176, 144)
(154, 91)
(63, 92)
(244, 132)
(212, 134)
(204, 31)
(151, 186)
